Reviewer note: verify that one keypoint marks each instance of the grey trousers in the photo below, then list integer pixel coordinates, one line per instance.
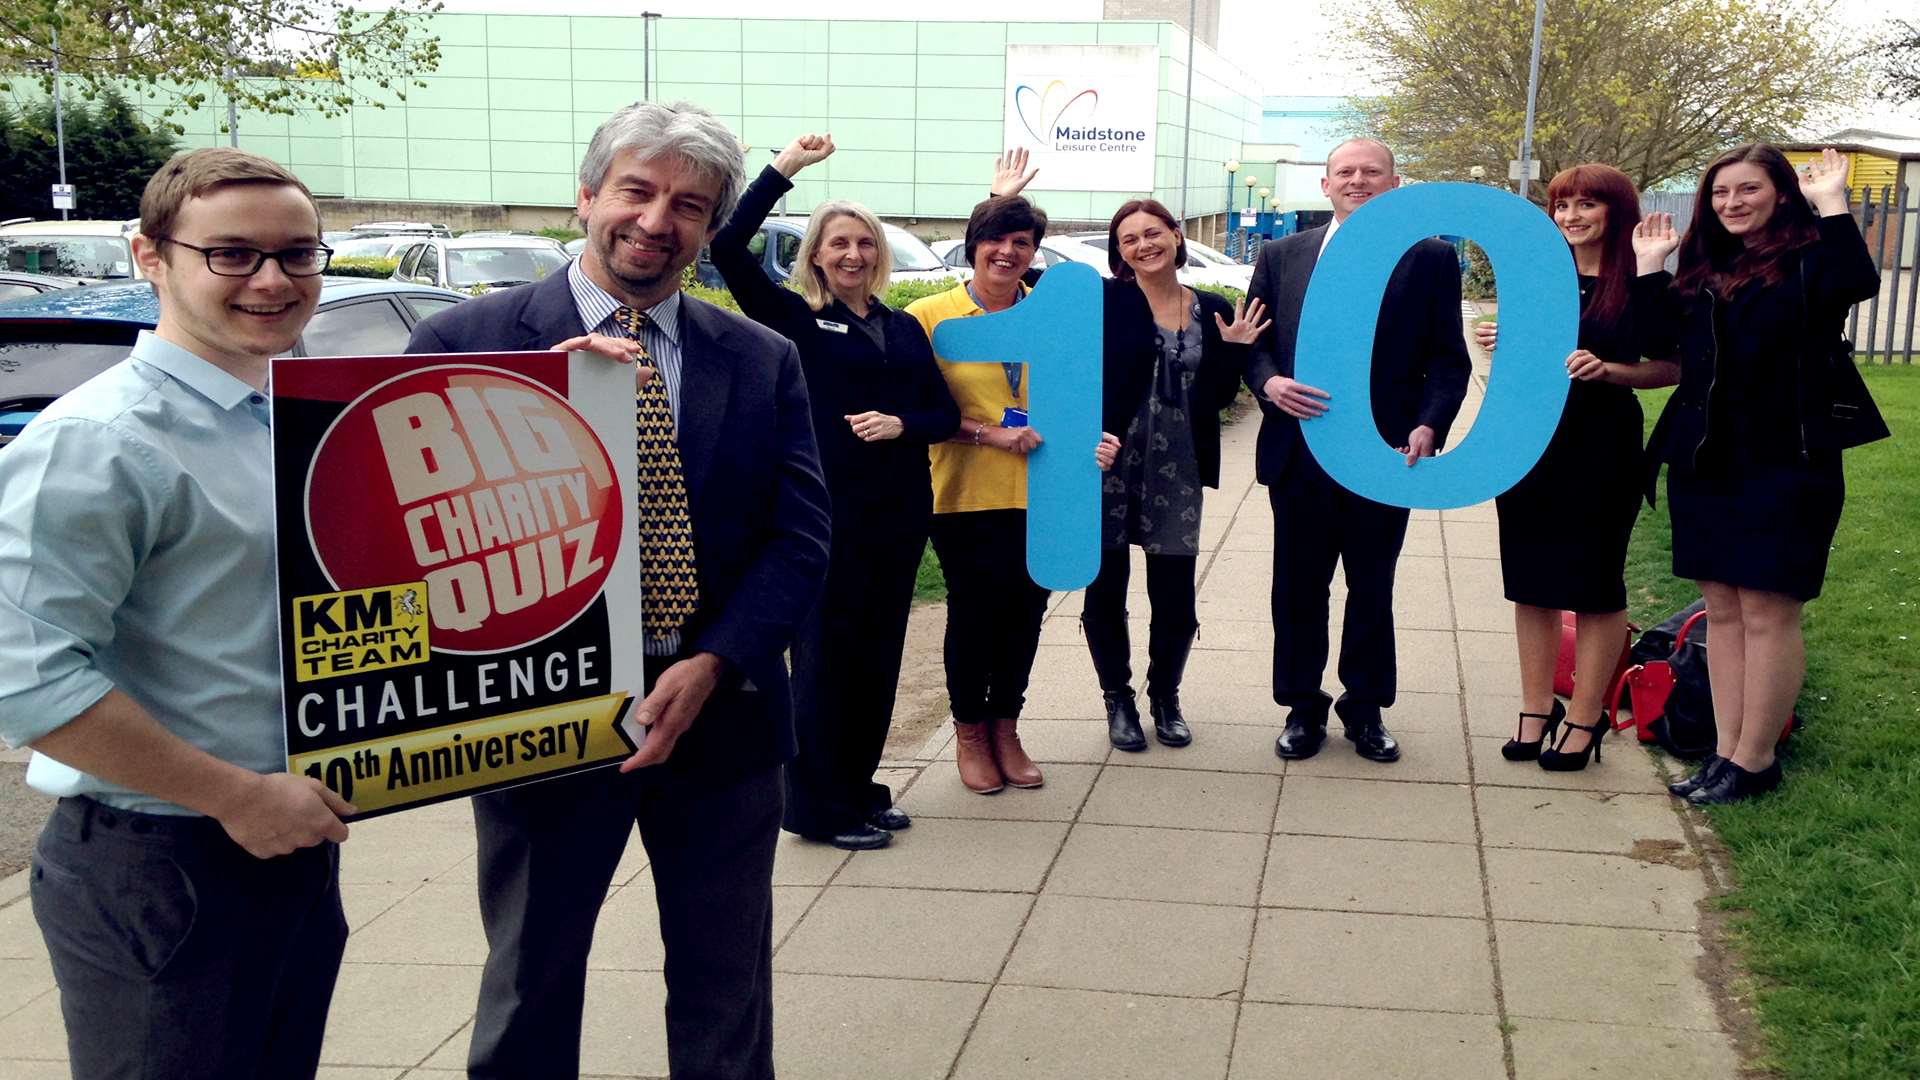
(180, 955)
(547, 855)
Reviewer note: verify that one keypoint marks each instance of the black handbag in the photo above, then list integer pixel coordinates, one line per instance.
(1841, 415)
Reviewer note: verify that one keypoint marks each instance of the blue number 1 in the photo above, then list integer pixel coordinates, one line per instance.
(1056, 332)
(1539, 326)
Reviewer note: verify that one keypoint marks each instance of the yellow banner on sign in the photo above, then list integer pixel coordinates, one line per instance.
(388, 774)
(342, 633)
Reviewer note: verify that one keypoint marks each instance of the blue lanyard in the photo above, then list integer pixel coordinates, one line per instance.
(1012, 370)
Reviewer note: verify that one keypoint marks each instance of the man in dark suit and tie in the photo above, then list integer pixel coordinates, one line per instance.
(1419, 376)
(733, 533)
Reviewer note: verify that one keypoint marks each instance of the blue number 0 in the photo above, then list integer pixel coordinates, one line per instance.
(1539, 326)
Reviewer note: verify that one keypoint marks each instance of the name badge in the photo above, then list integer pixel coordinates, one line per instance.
(824, 324)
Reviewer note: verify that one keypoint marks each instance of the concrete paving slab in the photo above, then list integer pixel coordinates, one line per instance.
(1490, 676)
(803, 862)
(369, 1025)
(20, 1069)
(1050, 1034)
(1130, 863)
(393, 849)
(1183, 799)
(1285, 1042)
(1401, 877)
(1644, 826)
(956, 853)
(34, 1031)
(1377, 809)
(1424, 711)
(1207, 704)
(350, 1072)
(1646, 977)
(1472, 539)
(366, 902)
(1494, 714)
(624, 1028)
(1250, 668)
(1600, 890)
(830, 1027)
(1423, 539)
(1215, 748)
(1245, 635)
(1132, 946)
(1373, 961)
(19, 933)
(23, 980)
(438, 923)
(1564, 1050)
(1434, 756)
(1623, 767)
(626, 936)
(1488, 647)
(905, 934)
(940, 794)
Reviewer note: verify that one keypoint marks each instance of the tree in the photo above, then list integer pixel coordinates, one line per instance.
(1653, 87)
(110, 154)
(1899, 59)
(242, 50)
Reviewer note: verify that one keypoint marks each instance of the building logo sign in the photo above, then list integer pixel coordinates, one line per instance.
(1086, 113)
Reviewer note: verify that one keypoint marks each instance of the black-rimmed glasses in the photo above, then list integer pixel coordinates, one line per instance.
(246, 261)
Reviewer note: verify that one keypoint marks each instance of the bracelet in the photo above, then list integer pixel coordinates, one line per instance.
(978, 432)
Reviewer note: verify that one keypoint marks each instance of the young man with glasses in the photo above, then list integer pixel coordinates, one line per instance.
(187, 885)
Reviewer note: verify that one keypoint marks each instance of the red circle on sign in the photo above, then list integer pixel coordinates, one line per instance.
(484, 484)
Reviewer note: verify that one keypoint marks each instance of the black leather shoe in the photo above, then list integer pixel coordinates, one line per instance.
(892, 819)
(1301, 738)
(1168, 725)
(1369, 736)
(1701, 777)
(1123, 722)
(1733, 783)
(861, 837)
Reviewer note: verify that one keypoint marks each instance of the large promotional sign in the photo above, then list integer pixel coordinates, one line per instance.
(1087, 114)
(458, 572)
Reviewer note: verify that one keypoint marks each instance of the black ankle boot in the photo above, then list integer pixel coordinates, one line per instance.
(1123, 721)
(1168, 725)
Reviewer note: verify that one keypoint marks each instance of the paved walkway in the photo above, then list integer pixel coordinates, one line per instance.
(1210, 912)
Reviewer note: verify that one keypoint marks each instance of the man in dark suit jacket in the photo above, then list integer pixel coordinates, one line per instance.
(1419, 376)
(704, 787)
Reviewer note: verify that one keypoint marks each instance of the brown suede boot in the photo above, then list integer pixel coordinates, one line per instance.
(975, 755)
(1014, 763)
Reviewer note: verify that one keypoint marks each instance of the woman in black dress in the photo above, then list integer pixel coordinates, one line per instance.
(1771, 264)
(878, 402)
(1173, 359)
(1564, 527)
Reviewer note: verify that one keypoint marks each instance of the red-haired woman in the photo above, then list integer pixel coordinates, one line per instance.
(1770, 265)
(1564, 527)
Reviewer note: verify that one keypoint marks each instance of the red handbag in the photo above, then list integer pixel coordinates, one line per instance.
(1647, 687)
(1563, 667)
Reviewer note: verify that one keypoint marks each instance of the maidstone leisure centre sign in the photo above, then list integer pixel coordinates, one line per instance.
(1085, 113)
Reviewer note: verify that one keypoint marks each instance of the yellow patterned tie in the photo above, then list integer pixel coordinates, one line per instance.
(669, 586)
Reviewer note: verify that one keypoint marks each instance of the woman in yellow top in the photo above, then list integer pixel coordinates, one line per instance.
(979, 527)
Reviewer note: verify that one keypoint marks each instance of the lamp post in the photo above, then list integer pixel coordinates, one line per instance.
(1232, 166)
(1251, 181)
(52, 67)
(1264, 193)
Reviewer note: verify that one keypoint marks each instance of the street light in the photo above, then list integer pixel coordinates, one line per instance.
(1251, 181)
(1264, 192)
(52, 65)
(1232, 166)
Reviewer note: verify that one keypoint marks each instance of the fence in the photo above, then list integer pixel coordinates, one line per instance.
(1882, 328)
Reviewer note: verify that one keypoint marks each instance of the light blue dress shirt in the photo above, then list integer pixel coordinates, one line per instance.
(136, 551)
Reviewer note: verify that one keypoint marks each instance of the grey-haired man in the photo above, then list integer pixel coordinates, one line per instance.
(735, 513)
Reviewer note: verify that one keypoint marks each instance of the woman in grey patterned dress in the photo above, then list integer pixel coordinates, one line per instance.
(1174, 359)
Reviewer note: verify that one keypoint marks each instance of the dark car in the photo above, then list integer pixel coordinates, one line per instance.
(15, 284)
(53, 342)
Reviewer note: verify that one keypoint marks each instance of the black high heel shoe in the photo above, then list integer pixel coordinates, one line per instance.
(1515, 750)
(1558, 760)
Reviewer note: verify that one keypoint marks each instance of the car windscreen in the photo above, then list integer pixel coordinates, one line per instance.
(70, 256)
(367, 247)
(493, 266)
(909, 252)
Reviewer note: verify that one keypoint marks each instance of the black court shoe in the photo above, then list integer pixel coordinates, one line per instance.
(1558, 760)
(1734, 784)
(1701, 777)
(1515, 750)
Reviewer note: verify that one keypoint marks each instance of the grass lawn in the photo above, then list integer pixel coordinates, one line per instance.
(1826, 907)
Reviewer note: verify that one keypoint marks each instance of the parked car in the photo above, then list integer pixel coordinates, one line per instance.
(15, 285)
(91, 250)
(515, 233)
(371, 247)
(1204, 265)
(575, 246)
(480, 263)
(402, 228)
(779, 241)
(1054, 250)
(53, 342)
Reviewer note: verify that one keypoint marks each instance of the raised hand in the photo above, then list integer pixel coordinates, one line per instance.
(1247, 324)
(1654, 240)
(1010, 172)
(808, 149)
(1824, 183)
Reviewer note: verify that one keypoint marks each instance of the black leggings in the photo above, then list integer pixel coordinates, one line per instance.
(1170, 595)
(993, 612)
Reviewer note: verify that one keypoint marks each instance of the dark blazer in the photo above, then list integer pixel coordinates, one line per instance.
(1129, 348)
(759, 506)
(846, 372)
(1420, 362)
